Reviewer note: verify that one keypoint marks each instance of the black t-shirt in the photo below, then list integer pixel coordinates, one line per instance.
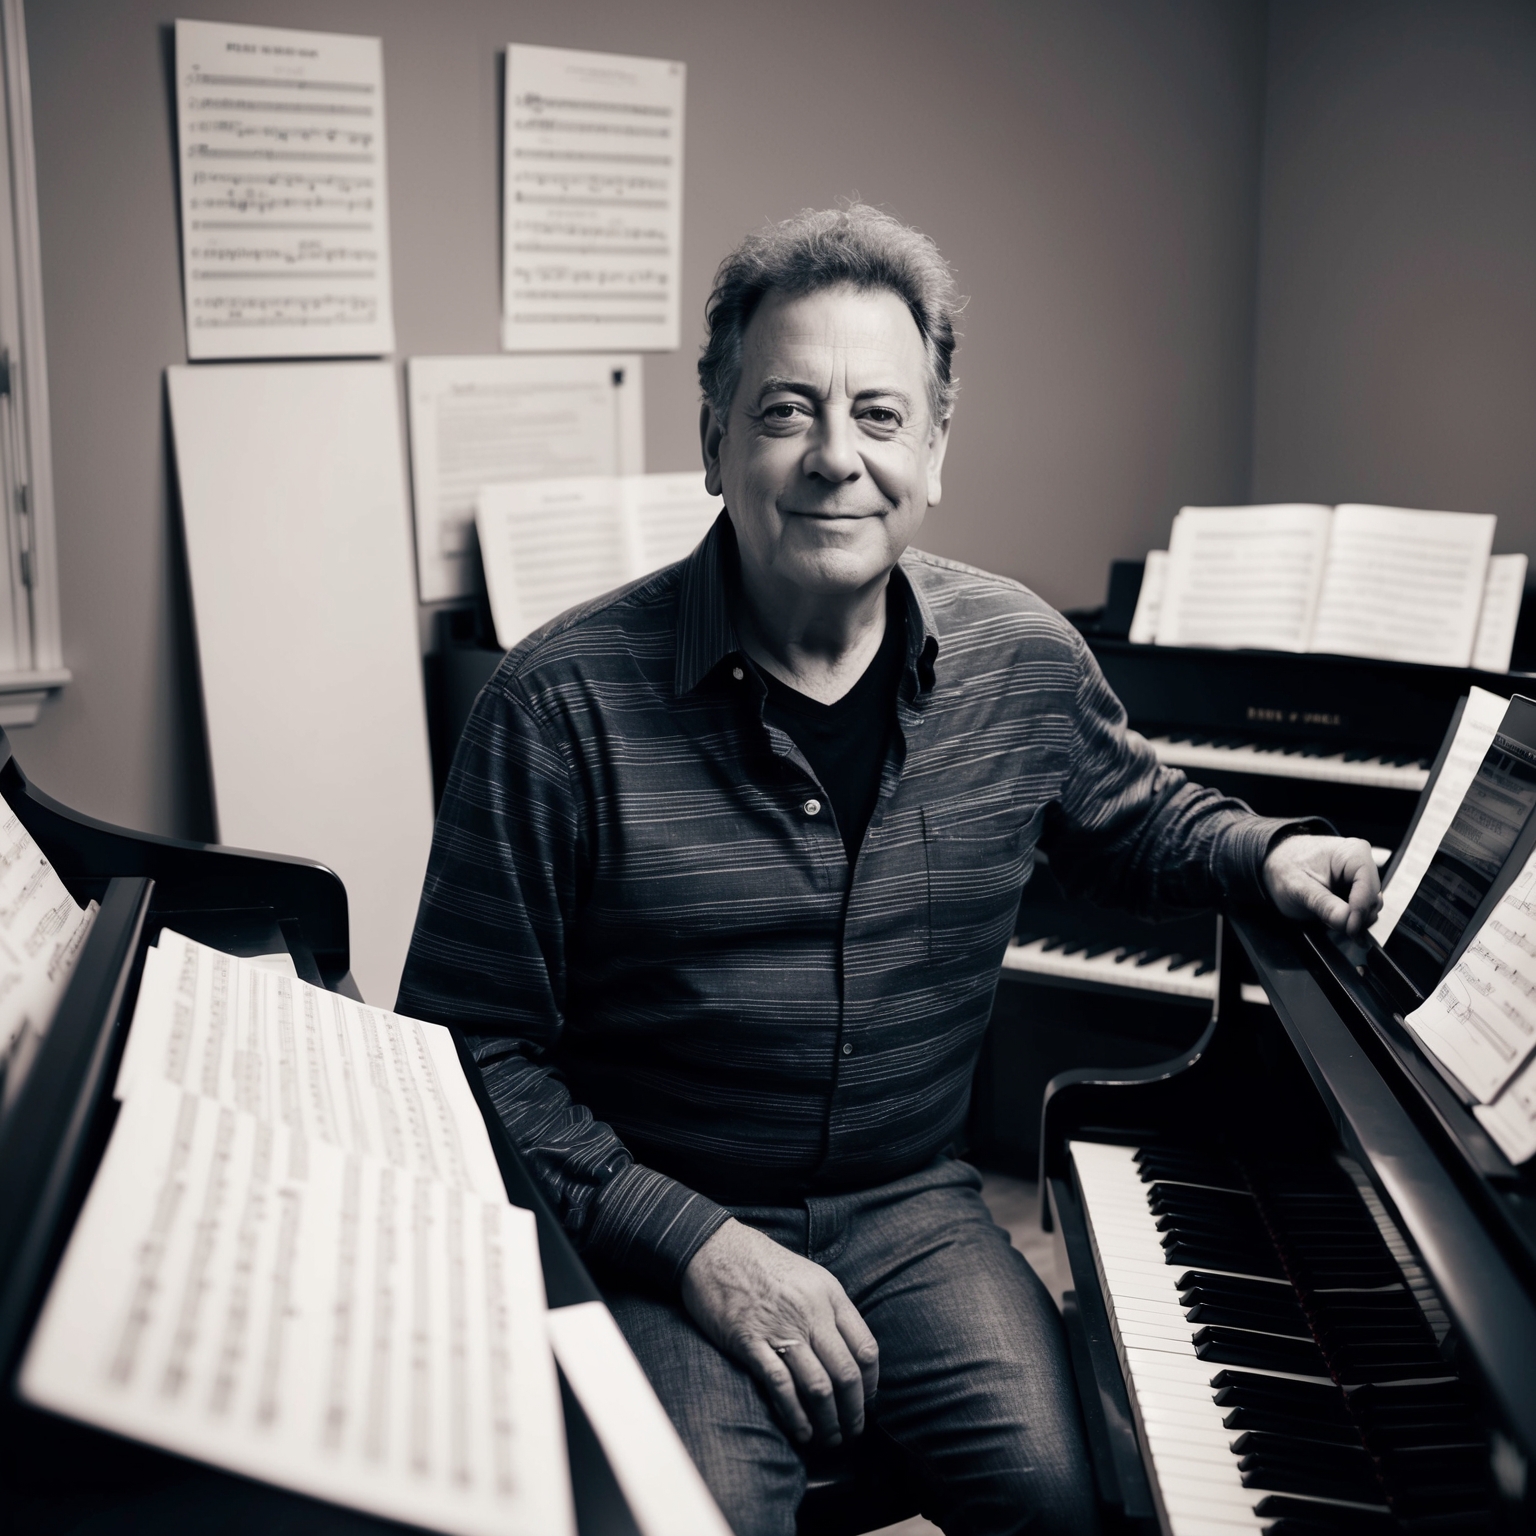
(845, 742)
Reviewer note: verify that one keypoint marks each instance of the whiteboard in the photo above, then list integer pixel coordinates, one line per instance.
(299, 547)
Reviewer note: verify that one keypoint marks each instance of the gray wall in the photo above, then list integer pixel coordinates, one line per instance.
(1090, 166)
(1396, 352)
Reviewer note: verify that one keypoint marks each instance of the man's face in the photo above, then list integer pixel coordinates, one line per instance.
(829, 458)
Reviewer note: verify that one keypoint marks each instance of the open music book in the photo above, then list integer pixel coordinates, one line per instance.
(1382, 582)
(297, 1261)
(546, 545)
(1457, 915)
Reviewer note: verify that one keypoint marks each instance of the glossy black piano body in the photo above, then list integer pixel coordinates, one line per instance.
(1326, 1072)
(58, 1476)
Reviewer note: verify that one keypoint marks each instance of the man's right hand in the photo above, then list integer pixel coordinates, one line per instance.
(790, 1323)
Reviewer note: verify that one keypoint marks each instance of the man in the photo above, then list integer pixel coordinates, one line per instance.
(720, 888)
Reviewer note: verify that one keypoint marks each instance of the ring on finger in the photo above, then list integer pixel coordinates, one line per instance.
(782, 1347)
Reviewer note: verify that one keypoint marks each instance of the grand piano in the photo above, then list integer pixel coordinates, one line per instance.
(1303, 1278)
(57, 1476)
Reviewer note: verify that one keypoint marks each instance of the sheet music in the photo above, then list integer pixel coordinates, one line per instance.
(331, 1324)
(1403, 585)
(284, 195)
(326, 1068)
(1149, 600)
(42, 930)
(1244, 576)
(1481, 1019)
(1503, 592)
(659, 1481)
(592, 202)
(547, 545)
(668, 515)
(487, 420)
(1479, 725)
(1511, 1118)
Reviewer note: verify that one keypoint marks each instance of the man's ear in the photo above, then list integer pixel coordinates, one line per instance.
(938, 446)
(710, 433)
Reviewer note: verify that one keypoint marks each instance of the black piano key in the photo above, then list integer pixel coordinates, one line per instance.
(1253, 1296)
(1266, 1352)
(1215, 1315)
(1102, 947)
(1341, 1461)
(1238, 1388)
(1231, 1288)
(1053, 943)
(1325, 1518)
(1302, 1426)
(1285, 1476)
(1189, 1167)
(1209, 1256)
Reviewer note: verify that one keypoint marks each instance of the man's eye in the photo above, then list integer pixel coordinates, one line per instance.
(882, 416)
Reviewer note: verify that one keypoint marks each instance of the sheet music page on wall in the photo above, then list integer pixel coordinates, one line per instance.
(592, 202)
(1480, 722)
(487, 420)
(1503, 592)
(547, 545)
(1403, 585)
(329, 1324)
(284, 193)
(1244, 576)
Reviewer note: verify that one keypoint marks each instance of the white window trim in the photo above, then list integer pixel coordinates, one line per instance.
(23, 693)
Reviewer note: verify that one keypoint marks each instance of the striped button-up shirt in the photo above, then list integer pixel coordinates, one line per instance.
(640, 912)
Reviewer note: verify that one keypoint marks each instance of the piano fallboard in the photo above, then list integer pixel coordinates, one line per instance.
(1380, 707)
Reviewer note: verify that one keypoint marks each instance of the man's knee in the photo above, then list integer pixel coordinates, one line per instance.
(746, 1460)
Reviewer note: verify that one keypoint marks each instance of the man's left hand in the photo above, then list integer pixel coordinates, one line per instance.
(1333, 879)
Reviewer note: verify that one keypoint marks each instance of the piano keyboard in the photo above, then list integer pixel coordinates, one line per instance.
(1143, 969)
(1291, 761)
(1283, 1375)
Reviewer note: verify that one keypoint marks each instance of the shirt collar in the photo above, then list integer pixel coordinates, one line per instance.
(706, 633)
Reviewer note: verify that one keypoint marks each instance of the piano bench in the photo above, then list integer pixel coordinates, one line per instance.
(855, 1488)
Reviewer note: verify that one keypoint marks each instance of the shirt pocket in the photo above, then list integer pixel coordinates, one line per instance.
(978, 862)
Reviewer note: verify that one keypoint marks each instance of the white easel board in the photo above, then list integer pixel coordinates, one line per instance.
(299, 547)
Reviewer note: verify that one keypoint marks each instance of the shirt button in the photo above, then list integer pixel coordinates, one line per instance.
(847, 1048)
(812, 807)
(737, 673)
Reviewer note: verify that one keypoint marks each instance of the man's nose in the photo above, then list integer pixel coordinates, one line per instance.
(833, 452)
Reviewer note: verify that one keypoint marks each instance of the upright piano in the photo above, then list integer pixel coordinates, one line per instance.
(58, 1476)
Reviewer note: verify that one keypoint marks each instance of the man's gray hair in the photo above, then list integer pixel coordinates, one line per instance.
(857, 246)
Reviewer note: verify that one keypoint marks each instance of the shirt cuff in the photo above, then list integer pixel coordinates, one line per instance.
(1240, 855)
(648, 1227)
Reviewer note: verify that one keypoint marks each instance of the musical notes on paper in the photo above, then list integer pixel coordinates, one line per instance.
(328, 1069)
(42, 930)
(486, 420)
(1479, 724)
(592, 201)
(331, 1323)
(284, 199)
(547, 545)
(1480, 1022)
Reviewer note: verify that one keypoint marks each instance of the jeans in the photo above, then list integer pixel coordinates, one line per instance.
(975, 1389)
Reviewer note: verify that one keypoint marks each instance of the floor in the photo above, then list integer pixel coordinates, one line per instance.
(1014, 1204)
